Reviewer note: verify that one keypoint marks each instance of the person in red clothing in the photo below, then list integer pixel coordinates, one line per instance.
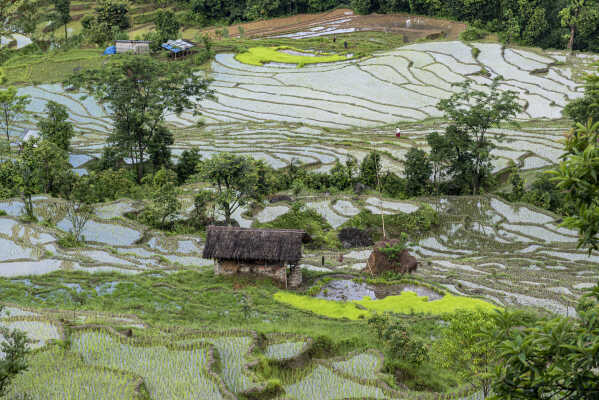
(397, 132)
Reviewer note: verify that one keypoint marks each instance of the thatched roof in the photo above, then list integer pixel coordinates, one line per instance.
(243, 244)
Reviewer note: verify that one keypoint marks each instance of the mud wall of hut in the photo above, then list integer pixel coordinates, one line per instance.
(278, 272)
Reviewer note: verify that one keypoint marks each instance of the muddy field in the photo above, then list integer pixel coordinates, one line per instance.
(345, 21)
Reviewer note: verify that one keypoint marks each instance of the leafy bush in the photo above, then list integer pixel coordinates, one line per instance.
(69, 241)
(307, 219)
(401, 345)
(322, 346)
(417, 223)
(392, 252)
(472, 33)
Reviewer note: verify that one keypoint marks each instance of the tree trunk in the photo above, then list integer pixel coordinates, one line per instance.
(65, 33)
(571, 41)
(227, 215)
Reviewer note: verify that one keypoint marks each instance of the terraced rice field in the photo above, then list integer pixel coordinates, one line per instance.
(103, 364)
(322, 113)
(508, 254)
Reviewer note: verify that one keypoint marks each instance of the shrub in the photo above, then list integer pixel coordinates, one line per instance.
(417, 223)
(69, 241)
(472, 33)
(322, 346)
(187, 165)
(301, 217)
(392, 252)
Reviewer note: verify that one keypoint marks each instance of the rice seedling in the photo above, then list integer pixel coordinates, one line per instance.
(283, 351)
(38, 332)
(59, 375)
(324, 384)
(363, 365)
(168, 373)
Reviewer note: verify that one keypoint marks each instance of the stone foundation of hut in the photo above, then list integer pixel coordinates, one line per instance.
(290, 277)
(273, 253)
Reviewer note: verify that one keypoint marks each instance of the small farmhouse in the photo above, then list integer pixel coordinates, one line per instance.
(270, 252)
(178, 48)
(132, 46)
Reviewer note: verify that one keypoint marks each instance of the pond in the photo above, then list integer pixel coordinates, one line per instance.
(349, 290)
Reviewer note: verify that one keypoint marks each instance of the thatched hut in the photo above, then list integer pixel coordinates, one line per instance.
(271, 252)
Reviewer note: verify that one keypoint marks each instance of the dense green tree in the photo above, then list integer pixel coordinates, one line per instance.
(464, 351)
(12, 107)
(554, 359)
(50, 168)
(578, 177)
(587, 107)
(20, 16)
(140, 91)
(517, 185)
(361, 6)
(235, 179)
(260, 9)
(63, 14)
(167, 24)
(201, 202)
(439, 156)
(370, 169)
(418, 171)
(188, 164)
(158, 148)
(14, 360)
(578, 15)
(113, 14)
(471, 113)
(165, 205)
(55, 127)
(340, 176)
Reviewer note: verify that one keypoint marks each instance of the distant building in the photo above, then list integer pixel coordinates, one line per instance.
(178, 48)
(132, 46)
(269, 252)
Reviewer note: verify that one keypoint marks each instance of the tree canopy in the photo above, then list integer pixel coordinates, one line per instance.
(235, 178)
(140, 92)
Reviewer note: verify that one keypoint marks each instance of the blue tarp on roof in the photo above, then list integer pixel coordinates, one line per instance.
(170, 48)
(110, 50)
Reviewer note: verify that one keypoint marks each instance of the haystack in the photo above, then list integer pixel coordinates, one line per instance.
(378, 262)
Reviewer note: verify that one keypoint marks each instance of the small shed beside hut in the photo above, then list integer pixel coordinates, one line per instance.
(132, 46)
(269, 252)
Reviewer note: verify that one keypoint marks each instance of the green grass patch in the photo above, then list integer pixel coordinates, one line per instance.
(54, 66)
(262, 55)
(327, 308)
(409, 302)
(405, 303)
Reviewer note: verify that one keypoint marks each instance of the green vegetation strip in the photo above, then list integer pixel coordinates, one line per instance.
(262, 55)
(405, 303)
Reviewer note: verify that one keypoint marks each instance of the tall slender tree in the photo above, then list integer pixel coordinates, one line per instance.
(12, 107)
(63, 14)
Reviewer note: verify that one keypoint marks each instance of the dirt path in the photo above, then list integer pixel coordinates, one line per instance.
(344, 21)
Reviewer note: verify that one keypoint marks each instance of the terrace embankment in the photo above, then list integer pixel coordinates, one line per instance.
(345, 21)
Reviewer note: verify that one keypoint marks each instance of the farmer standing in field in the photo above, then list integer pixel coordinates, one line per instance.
(397, 132)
